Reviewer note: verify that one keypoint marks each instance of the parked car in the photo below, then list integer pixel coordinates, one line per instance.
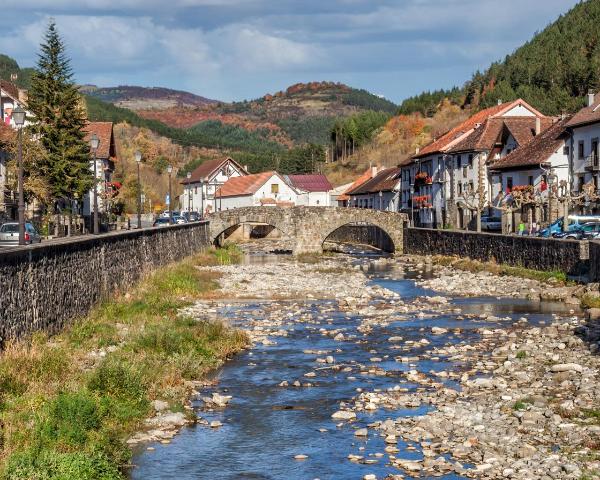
(491, 224)
(178, 219)
(587, 231)
(161, 222)
(9, 234)
(191, 216)
(574, 222)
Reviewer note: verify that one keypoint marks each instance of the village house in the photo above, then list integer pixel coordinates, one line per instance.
(260, 189)
(11, 97)
(381, 192)
(528, 168)
(344, 199)
(439, 182)
(105, 157)
(583, 147)
(313, 189)
(199, 190)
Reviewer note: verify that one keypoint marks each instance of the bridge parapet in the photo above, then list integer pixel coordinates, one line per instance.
(309, 226)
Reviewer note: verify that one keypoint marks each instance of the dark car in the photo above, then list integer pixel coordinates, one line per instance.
(9, 234)
(161, 222)
(191, 216)
(587, 231)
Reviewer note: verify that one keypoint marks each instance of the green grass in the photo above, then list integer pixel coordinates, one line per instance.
(229, 254)
(476, 266)
(521, 354)
(67, 415)
(590, 301)
(523, 404)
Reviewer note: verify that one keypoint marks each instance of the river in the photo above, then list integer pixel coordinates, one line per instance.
(266, 425)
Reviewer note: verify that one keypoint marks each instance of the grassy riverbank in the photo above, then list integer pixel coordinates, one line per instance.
(68, 403)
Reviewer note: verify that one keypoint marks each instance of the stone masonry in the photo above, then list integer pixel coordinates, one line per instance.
(45, 286)
(310, 226)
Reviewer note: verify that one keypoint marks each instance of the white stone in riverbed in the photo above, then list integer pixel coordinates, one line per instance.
(344, 415)
(361, 432)
(369, 476)
(567, 367)
(329, 359)
(215, 424)
(300, 457)
(438, 330)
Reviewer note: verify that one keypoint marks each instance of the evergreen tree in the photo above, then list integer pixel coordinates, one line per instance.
(59, 121)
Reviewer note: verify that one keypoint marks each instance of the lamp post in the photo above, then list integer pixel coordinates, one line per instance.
(94, 144)
(189, 185)
(412, 206)
(138, 160)
(170, 170)
(380, 200)
(551, 179)
(19, 118)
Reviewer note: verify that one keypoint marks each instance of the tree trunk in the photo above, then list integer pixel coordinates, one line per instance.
(565, 215)
(478, 221)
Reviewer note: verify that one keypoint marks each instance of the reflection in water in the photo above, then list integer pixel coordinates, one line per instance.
(266, 425)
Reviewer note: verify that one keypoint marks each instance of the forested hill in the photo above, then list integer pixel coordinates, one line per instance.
(553, 71)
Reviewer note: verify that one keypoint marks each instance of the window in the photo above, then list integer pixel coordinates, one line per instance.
(275, 188)
(595, 151)
(471, 187)
(509, 183)
(458, 161)
(566, 150)
(460, 189)
(195, 190)
(471, 161)
(530, 180)
(581, 183)
(580, 153)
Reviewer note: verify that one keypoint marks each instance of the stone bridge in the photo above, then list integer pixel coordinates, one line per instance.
(309, 227)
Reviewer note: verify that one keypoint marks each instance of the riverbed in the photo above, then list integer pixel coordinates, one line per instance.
(333, 349)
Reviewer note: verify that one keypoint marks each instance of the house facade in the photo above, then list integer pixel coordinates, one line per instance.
(441, 183)
(105, 157)
(199, 190)
(381, 192)
(268, 189)
(583, 147)
(314, 190)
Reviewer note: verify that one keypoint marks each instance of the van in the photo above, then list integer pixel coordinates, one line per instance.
(575, 221)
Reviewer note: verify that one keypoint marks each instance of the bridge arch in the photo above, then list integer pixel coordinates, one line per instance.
(309, 227)
(362, 233)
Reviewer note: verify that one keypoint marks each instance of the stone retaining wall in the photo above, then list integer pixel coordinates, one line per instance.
(47, 285)
(569, 256)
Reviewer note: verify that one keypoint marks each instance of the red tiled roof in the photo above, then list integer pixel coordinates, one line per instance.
(246, 185)
(359, 181)
(450, 138)
(537, 150)
(207, 169)
(384, 181)
(104, 131)
(491, 131)
(586, 115)
(10, 88)
(310, 183)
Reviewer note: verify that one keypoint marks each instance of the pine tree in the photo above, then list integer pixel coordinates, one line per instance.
(59, 121)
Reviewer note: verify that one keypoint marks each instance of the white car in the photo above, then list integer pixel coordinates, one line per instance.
(491, 224)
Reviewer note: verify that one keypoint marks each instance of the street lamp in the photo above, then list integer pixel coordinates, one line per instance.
(551, 179)
(19, 118)
(170, 170)
(94, 144)
(380, 200)
(189, 176)
(412, 206)
(138, 160)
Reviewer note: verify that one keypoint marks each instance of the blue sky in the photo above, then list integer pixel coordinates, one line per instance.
(242, 49)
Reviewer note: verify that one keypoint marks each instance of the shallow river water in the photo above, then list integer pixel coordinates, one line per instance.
(266, 425)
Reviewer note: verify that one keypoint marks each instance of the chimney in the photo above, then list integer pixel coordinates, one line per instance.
(246, 168)
(417, 150)
(373, 171)
(538, 125)
(499, 101)
(590, 98)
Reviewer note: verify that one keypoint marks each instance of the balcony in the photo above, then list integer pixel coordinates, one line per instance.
(9, 198)
(592, 163)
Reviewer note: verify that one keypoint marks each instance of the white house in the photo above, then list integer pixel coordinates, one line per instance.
(382, 192)
(583, 147)
(199, 190)
(260, 189)
(440, 175)
(314, 190)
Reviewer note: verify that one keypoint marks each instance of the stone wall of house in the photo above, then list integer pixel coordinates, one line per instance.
(47, 285)
(363, 235)
(569, 256)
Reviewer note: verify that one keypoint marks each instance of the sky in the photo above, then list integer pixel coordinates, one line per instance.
(242, 49)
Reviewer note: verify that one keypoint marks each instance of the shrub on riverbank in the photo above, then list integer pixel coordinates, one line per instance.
(229, 254)
(68, 403)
